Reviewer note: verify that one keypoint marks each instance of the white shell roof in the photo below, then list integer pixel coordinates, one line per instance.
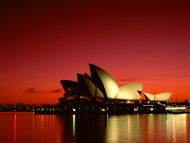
(109, 83)
(91, 87)
(164, 96)
(130, 92)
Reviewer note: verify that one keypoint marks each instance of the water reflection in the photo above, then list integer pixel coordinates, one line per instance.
(14, 128)
(176, 127)
(84, 128)
(30, 128)
(74, 127)
(123, 128)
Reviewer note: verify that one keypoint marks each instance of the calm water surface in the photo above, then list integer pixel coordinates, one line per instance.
(32, 128)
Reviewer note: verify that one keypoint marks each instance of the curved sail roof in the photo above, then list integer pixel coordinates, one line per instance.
(130, 92)
(100, 84)
(150, 96)
(104, 81)
(164, 96)
(90, 86)
(69, 85)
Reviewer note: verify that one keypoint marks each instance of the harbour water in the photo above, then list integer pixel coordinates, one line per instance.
(27, 127)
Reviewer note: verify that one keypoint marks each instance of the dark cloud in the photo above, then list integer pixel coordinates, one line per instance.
(129, 79)
(56, 90)
(34, 90)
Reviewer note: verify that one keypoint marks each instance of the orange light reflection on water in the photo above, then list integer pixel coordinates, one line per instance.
(14, 129)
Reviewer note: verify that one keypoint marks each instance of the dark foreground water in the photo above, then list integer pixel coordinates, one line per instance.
(32, 128)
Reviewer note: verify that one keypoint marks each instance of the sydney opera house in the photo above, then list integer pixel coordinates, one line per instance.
(99, 88)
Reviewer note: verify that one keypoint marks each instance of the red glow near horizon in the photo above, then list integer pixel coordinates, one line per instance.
(140, 41)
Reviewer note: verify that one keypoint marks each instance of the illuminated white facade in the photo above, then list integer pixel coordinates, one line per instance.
(129, 92)
(101, 85)
(159, 97)
(110, 86)
(94, 91)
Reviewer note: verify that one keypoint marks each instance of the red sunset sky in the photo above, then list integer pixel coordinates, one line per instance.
(140, 41)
